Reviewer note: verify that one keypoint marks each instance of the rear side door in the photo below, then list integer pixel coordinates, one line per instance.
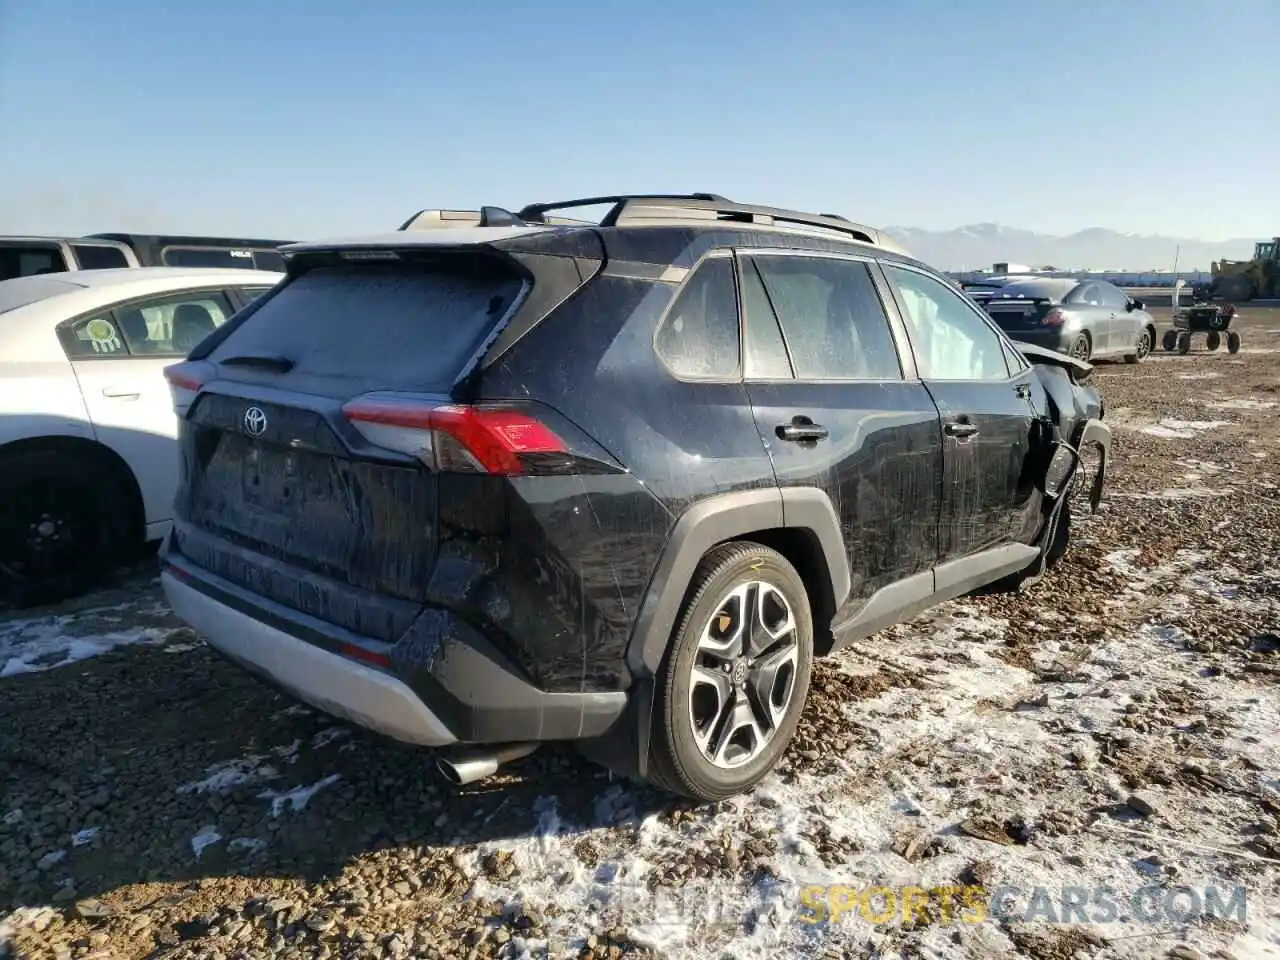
(984, 395)
(1086, 301)
(1122, 326)
(837, 410)
(119, 356)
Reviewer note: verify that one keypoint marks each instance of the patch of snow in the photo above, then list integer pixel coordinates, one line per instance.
(225, 776)
(1240, 403)
(82, 838)
(1198, 376)
(1181, 429)
(34, 646)
(916, 768)
(248, 845)
(297, 798)
(51, 859)
(206, 837)
(328, 735)
(288, 752)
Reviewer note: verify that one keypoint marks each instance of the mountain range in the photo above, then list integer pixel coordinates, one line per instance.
(980, 245)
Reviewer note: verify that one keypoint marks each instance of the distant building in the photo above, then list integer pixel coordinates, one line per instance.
(1003, 267)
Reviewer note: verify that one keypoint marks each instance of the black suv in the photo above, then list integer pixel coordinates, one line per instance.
(613, 482)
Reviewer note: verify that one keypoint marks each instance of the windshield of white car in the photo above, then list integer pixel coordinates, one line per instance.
(23, 291)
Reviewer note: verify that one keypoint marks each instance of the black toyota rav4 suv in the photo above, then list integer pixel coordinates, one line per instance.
(613, 482)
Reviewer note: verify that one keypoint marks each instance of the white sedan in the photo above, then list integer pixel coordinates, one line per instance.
(88, 454)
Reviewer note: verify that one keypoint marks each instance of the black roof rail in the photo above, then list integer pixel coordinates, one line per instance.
(657, 211)
(536, 211)
(656, 208)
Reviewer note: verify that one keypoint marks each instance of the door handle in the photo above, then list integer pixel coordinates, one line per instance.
(959, 429)
(120, 393)
(1023, 390)
(801, 430)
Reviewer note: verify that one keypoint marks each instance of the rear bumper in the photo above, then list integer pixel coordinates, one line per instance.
(441, 683)
(345, 688)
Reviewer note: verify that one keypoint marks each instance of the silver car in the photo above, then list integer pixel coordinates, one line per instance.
(1087, 319)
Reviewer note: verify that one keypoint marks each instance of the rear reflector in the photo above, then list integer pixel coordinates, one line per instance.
(452, 437)
(367, 656)
(185, 381)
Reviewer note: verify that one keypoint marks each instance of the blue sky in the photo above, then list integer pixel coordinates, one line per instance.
(299, 118)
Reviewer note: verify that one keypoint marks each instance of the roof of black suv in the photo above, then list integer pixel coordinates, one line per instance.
(460, 227)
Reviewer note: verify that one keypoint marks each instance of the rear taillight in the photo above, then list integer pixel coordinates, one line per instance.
(455, 438)
(185, 380)
(1054, 318)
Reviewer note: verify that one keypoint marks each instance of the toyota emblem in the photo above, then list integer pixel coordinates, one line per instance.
(255, 422)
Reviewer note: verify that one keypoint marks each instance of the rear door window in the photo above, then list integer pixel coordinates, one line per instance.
(1087, 295)
(698, 337)
(953, 340)
(94, 337)
(1111, 296)
(172, 325)
(409, 326)
(227, 257)
(766, 352)
(94, 256)
(831, 316)
(26, 260)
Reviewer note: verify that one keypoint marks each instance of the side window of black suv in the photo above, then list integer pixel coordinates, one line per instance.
(831, 317)
(698, 338)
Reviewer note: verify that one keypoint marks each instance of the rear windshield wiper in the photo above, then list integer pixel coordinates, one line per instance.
(279, 364)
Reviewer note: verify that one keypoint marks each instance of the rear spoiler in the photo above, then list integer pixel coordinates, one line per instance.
(996, 298)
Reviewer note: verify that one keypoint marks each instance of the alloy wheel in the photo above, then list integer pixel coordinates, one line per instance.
(743, 675)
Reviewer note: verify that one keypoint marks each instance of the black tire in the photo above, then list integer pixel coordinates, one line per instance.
(1184, 343)
(1082, 348)
(677, 763)
(1233, 342)
(1169, 341)
(1145, 341)
(1212, 340)
(63, 527)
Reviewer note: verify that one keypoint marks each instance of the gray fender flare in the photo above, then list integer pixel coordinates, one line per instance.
(729, 516)
(1096, 434)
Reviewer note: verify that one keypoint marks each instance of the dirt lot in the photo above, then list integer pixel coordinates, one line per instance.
(1115, 726)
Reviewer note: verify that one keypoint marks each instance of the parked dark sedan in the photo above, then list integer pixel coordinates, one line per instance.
(1088, 319)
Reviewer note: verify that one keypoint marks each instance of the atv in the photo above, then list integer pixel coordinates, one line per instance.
(1213, 320)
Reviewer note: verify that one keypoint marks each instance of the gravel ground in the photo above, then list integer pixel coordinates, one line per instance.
(1113, 726)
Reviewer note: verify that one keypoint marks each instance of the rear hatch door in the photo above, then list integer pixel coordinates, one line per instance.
(280, 493)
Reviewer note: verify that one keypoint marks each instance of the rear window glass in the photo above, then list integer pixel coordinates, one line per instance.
(93, 257)
(398, 326)
(268, 260)
(25, 261)
(208, 257)
(1036, 289)
(30, 290)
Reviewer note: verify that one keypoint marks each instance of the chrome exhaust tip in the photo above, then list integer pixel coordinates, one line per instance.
(477, 764)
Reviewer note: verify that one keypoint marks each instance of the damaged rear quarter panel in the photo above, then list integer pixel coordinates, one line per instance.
(598, 544)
